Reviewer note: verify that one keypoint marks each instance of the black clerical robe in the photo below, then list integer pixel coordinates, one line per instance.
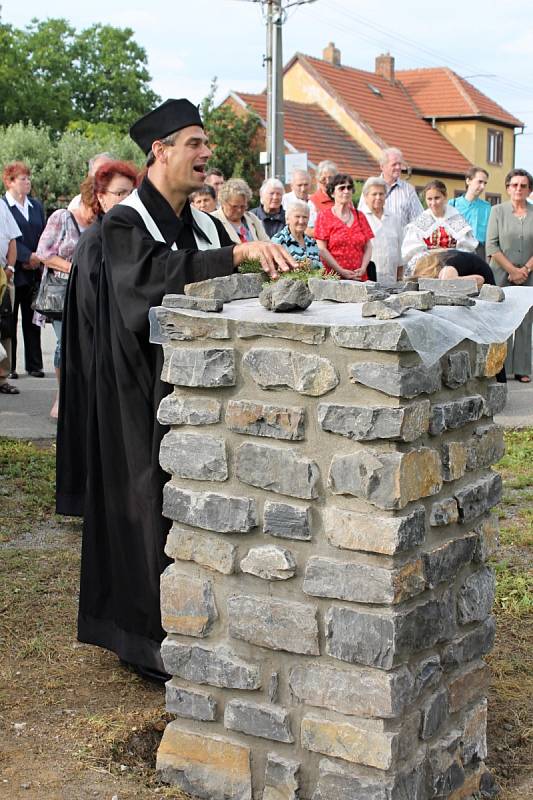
(124, 531)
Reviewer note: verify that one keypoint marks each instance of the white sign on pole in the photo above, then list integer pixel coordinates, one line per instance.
(294, 161)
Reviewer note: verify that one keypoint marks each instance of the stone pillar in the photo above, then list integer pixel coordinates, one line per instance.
(329, 604)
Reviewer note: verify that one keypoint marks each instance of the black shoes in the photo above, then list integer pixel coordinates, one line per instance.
(13, 376)
(36, 373)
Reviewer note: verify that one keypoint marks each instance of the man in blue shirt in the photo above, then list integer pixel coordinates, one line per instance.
(475, 210)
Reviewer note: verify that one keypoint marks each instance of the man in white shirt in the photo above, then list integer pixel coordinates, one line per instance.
(401, 198)
(9, 231)
(300, 185)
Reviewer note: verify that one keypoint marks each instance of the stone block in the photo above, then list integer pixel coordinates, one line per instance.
(444, 562)
(188, 410)
(190, 703)
(349, 740)
(389, 480)
(454, 300)
(381, 309)
(488, 531)
(374, 336)
(397, 381)
(352, 530)
(216, 666)
(194, 303)
(444, 512)
(495, 399)
(279, 470)
(211, 367)
(276, 624)
(258, 719)
(207, 767)
(345, 291)
(273, 687)
(210, 511)
(445, 771)
(491, 294)
(474, 644)
(359, 692)
(490, 359)
(420, 300)
(474, 730)
(187, 604)
(269, 562)
(476, 596)
(455, 413)
(451, 286)
(281, 778)
(286, 294)
(434, 714)
(287, 521)
(228, 287)
(260, 419)
(205, 549)
(362, 423)
(478, 497)
(363, 583)
(194, 455)
(309, 334)
(337, 781)
(306, 374)
(472, 682)
(456, 369)
(454, 458)
(485, 447)
(181, 327)
(427, 675)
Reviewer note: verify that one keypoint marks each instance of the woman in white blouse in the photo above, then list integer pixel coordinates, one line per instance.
(387, 230)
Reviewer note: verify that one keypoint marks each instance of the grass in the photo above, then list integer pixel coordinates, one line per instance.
(27, 486)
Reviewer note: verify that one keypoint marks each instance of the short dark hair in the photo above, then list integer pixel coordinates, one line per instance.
(523, 173)
(340, 177)
(473, 171)
(439, 186)
(206, 189)
(214, 171)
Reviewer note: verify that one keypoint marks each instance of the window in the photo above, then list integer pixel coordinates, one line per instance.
(493, 199)
(494, 146)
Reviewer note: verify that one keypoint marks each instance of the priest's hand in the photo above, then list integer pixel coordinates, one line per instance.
(273, 257)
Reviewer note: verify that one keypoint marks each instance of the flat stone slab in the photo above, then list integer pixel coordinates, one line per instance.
(196, 303)
(228, 287)
(450, 286)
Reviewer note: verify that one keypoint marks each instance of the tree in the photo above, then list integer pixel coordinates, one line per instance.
(233, 139)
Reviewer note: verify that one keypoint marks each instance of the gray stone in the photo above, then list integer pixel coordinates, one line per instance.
(474, 644)
(258, 719)
(260, 419)
(359, 692)
(434, 713)
(344, 291)
(491, 294)
(474, 734)
(489, 359)
(488, 532)
(188, 410)
(352, 530)
(389, 480)
(276, 624)
(443, 563)
(279, 470)
(485, 447)
(286, 294)
(383, 336)
(216, 666)
(428, 623)
(177, 325)
(309, 334)
(364, 423)
(476, 596)
(453, 300)
(454, 457)
(478, 497)
(419, 300)
(273, 687)
(381, 309)
(306, 374)
(194, 455)
(205, 549)
(456, 369)
(451, 286)
(362, 583)
(495, 399)
(229, 287)
(397, 381)
(209, 367)
(445, 771)
(444, 512)
(187, 604)
(190, 703)
(455, 413)
(195, 303)
(269, 562)
(426, 675)
(281, 778)
(213, 512)
(338, 781)
(286, 521)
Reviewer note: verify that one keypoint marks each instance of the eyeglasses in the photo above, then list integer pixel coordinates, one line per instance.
(120, 193)
(344, 187)
(519, 185)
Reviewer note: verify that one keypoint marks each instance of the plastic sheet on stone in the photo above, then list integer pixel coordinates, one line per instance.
(431, 333)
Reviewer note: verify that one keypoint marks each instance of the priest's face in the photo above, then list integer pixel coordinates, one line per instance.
(185, 161)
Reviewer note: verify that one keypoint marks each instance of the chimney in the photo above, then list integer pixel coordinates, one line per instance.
(385, 66)
(332, 54)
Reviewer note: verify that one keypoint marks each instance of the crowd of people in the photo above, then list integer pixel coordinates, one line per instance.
(128, 239)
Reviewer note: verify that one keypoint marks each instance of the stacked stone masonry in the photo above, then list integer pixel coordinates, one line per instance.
(328, 607)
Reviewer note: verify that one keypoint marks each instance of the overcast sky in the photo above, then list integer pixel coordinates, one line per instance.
(188, 42)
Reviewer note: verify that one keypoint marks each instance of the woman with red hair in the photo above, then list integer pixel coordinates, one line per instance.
(111, 183)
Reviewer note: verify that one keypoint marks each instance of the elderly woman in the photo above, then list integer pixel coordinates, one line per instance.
(387, 230)
(440, 242)
(510, 245)
(293, 236)
(270, 212)
(343, 234)
(241, 225)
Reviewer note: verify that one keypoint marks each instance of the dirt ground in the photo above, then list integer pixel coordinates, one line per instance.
(75, 724)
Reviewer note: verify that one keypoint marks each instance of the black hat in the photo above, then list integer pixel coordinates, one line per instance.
(170, 116)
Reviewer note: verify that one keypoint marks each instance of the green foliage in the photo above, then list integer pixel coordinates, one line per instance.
(250, 265)
(516, 467)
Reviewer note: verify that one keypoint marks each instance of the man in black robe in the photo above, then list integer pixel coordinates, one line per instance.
(124, 531)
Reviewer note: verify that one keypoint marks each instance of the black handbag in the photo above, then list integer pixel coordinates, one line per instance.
(6, 316)
(51, 295)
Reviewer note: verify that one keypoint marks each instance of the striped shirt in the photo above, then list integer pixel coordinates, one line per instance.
(401, 200)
